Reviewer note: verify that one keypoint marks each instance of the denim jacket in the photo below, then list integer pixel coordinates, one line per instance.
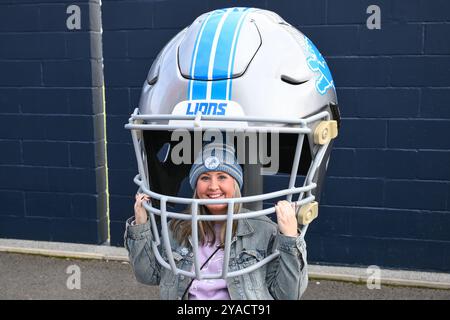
(283, 278)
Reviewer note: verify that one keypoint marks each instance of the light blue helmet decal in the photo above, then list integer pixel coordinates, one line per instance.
(317, 63)
(213, 55)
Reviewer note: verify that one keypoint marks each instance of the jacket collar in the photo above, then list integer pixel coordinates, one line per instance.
(244, 228)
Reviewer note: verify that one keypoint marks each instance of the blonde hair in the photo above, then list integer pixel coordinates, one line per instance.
(182, 229)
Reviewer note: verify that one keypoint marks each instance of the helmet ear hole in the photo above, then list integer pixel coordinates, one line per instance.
(288, 144)
(291, 80)
(165, 177)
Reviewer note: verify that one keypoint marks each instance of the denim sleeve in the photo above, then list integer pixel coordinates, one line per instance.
(142, 259)
(287, 276)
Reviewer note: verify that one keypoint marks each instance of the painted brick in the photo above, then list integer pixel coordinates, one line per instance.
(115, 126)
(85, 101)
(117, 229)
(299, 12)
(24, 178)
(401, 164)
(40, 204)
(18, 18)
(400, 224)
(87, 154)
(20, 73)
(420, 10)
(85, 206)
(53, 17)
(121, 207)
(434, 103)
(72, 180)
(126, 73)
(84, 45)
(360, 71)
(353, 192)
(32, 46)
(324, 38)
(388, 103)
(362, 133)
(118, 101)
(354, 11)
(370, 163)
(115, 44)
(148, 43)
(76, 230)
(44, 100)
(135, 95)
(420, 71)
(425, 255)
(436, 39)
(95, 16)
(405, 194)
(25, 228)
(10, 100)
(332, 220)
(116, 15)
(391, 39)
(70, 128)
(101, 177)
(121, 156)
(71, 73)
(348, 102)
(448, 198)
(333, 249)
(32, 127)
(12, 203)
(418, 134)
(170, 14)
(45, 153)
(10, 152)
(121, 182)
(383, 223)
(342, 163)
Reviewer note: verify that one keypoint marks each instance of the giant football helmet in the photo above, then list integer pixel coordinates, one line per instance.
(240, 70)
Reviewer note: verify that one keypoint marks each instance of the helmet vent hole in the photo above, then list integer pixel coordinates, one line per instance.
(291, 80)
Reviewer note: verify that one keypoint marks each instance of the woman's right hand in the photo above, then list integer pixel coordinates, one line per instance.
(140, 214)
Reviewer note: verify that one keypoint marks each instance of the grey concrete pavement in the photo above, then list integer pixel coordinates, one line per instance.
(350, 274)
(25, 276)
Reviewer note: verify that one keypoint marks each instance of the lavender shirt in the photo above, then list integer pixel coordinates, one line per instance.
(210, 289)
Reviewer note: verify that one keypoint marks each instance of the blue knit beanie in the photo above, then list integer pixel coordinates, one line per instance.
(216, 157)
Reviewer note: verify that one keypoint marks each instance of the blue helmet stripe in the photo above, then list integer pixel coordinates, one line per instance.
(194, 53)
(222, 59)
(200, 71)
(231, 67)
(220, 55)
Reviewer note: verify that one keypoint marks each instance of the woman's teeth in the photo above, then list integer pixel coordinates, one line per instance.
(213, 196)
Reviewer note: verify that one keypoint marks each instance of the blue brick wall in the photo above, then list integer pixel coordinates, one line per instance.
(52, 158)
(386, 199)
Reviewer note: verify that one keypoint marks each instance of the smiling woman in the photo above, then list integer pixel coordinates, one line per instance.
(216, 185)
(216, 175)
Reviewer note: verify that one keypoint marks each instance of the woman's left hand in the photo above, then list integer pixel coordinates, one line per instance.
(287, 222)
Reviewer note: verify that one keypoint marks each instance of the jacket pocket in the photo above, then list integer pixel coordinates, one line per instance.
(247, 258)
(255, 279)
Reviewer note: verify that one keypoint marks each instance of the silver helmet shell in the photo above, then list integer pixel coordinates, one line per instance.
(257, 60)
